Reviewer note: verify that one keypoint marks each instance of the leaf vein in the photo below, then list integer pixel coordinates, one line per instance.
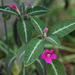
(9, 11)
(41, 66)
(54, 68)
(33, 50)
(11, 61)
(52, 40)
(38, 11)
(25, 31)
(38, 26)
(63, 28)
(21, 55)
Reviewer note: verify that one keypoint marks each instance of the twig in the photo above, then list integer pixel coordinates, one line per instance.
(5, 29)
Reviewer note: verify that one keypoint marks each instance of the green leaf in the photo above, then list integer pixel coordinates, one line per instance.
(53, 39)
(4, 50)
(63, 28)
(4, 47)
(37, 10)
(8, 10)
(22, 8)
(55, 68)
(23, 72)
(25, 30)
(9, 63)
(38, 24)
(40, 66)
(33, 50)
(20, 55)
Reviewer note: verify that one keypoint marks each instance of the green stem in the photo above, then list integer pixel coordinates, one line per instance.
(2, 3)
(5, 29)
(22, 64)
(6, 35)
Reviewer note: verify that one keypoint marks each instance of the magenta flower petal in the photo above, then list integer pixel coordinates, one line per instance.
(48, 55)
(48, 60)
(43, 56)
(53, 56)
(12, 6)
(51, 51)
(46, 51)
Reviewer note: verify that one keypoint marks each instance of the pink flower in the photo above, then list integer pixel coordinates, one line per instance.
(12, 6)
(45, 30)
(48, 55)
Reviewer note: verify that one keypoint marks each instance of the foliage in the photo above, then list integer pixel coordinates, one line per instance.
(32, 47)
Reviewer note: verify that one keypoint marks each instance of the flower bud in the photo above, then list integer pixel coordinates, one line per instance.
(45, 31)
(12, 6)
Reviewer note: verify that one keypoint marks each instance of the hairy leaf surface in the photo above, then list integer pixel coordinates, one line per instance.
(33, 50)
(8, 10)
(20, 55)
(62, 28)
(38, 24)
(9, 63)
(40, 66)
(55, 68)
(37, 10)
(25, 30)
(53, 39)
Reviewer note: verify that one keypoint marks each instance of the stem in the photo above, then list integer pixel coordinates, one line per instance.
(2, 3)
(23, 68)
(5, 29)
(22, 64)
(6, 35)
